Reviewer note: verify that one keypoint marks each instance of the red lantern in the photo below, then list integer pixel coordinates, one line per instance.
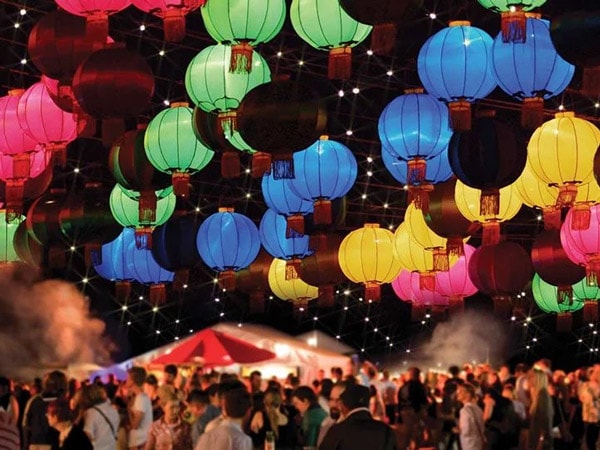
(28, 250)
(172, 12)
(12, 139)
(254, 281)
(96, 13)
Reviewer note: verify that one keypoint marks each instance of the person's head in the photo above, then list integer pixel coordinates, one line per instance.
(465, 393)
(225, 387)
(385, 375)
(454, 371)
(303, 398)
(205, 381)
(4, 386)
(197, 401)
(237, 403)
(320, 375)
(213, 394)
(55, 383)
(58, 412)
(508, 391)
(294, 382)
(273, 398)
(326, 386)
(414, 373)
(91, 395)
(136, 376)
(504, 372)
(151, 386)
(171, 407)
(36, 386)
(521, 369)
(255, 380)
(170, 374)
(335, 406)
(111, 378)
(336, 373)
(353, 397)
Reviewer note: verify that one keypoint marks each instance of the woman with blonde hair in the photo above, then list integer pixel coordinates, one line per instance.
(267, 417)
(541, 412)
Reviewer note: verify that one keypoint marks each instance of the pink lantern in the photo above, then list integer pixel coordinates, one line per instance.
(12, 139)
(402, 287)
(46, 123)
(172, 12)
(455, 283)
(407, 286)
(96, 13)
(583, 246)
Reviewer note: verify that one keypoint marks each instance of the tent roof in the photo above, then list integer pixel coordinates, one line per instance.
(317, 338)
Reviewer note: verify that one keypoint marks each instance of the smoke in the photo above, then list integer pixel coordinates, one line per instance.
(45, 325)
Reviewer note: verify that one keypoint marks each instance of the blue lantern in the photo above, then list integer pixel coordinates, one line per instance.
(438, 168)
(454, 66)
(174, 246)
(280, 197)
(227, 242)
(146, 270)
(531, 71)
(115, 266)
(324, 171)
(272, 230)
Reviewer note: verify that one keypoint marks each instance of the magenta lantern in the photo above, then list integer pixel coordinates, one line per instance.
(96, 13)
(45, 122)
(172, 12)
(455, 283)
(408, 287)
(12, 139)
(583, 246)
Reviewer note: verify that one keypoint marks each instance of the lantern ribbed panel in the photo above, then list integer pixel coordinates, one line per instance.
(407, 250)
(210, 84)
(87, 7)
(421, 233)
(583, 242)
(414, 126)
(367, 255)
(8, 253)
(228, 241)
(455, 64)
(438, 168)
(272, 231)
(289, 289)
(159, 7)
(407, 287)
(505, 5)
(115, 265)
(126, 210)
(583, 291)
(171, 144)
(456, 282)
(12, 138)
(533, 192)
(280, 197)
(144, 267)
(468, 202)
(562, 150)
(38, 162)
(252, 21)
(545, 296)
(402, 285)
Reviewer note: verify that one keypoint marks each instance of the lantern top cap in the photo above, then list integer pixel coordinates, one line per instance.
(180, 105)
(414, 91)
(532, 15)
(371, 225)
(565, 114)
(459, 23)
(16, 92)
(324, 137)
(226, 209)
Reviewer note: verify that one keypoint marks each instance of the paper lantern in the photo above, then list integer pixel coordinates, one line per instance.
(172, 12)
(413, 257)
(146, 270)
(367, 256)
(171, 146)
(27, 249)
(536, 194)
(96, 13)
(243, 25)
(227, 242)
(293, 290)
(13, 141)
(531, 71)
(254, 281)
(8, 253)
(455, 284)
(514, 19)
(324, 171)
(489, 157)
(454, 66)
(549, 301)
(324, 25)
(114, 264)
(589, 295)
(438, 168)
(468, 201)
(583, 246)
(407, 286)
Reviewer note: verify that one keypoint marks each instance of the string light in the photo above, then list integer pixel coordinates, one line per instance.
(23, 11)
(369, 159)
(279, 54)
(176, 320)
(84, 280)
(24, 61)
(142, 27)
(349, 133)
(389, 73)
(300, 63)
(128, 323)
(432, 16)
(155, 309)
(364, 196)
(161, 53)
(76, 170)
(157, 331)
(370, 52)
(355, 90)
(17, 24)
(141, 297)
(166, 102)
(124, 307)
(341, 93)
(72, 248)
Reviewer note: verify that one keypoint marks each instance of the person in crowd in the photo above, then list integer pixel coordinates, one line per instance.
(508, 392)
(71, 436)
(412, 403)
(224, 386)
(151, 390)
(169, 432)
(337, 374)
(541, 413)
(335, 410)
(100, 419)
(10, 438)
(305, 400)
(522, 384)
(111, 386)
(36, 429)
(470, 423)
(255, 382)
(139, 409)
(358, 430)
(504, 374)
(270, 417)
(8, 401)
(389, 396)
(589, 395)
(376, 406)
(229, 434)
(324, 393)
(168, 385)
(197, 402)
(211, 411)
(450, 405)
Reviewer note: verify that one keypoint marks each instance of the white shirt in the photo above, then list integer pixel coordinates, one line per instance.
(226, 436)
(471, 427)
(139, 436)
(97, 427)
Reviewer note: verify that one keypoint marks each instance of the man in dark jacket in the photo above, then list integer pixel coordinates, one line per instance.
(358, 430)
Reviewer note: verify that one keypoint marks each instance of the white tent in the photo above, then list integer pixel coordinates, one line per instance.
(323, 341)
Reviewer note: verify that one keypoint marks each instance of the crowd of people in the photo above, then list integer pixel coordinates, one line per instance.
(468, 408)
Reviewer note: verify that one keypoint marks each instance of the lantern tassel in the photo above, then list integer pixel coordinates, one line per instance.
(564, 322)
(122, 291)
(427, 281)
(295, 226)
(292, 267)
(417, 312)
(440, 260)
(147, 206)
(92, 254)
(491, 232)
(322, 212)
(383, 38)
(143, 238)
(419, 195)
(502, 306)
(230, 164)
(582, 217)
(96, 28)
(514, 26)
(591, 81)
(372, 291)
(552, 218)
(261, 164)
(590, 311)
(227, 280)
(181, 279)
(21, 165)
(417, 170)
(564, 295)
(317, 242)
(460, 115)
(283, 167)
(489, 203)
(340, 63)
(227, 123)
(532, 113)
(174, 24)
(592, 270)
(14, 200)
(158, 294)
(241, 58)
(456, 305)
(257, 302)
(455, 246)
(326, 297)
(181, 184)
(567, 194)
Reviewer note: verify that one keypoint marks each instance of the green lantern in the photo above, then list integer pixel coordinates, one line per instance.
(172, 146)
(514, 19)
(8, 253)
(124, 208)
(243, 24)
(546, 298)
(589, 295)
(326, 26)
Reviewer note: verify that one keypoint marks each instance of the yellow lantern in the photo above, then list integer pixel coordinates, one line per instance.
(367, 256)
(561, 153)
(538, 195)
(468, 200)
(293, 290)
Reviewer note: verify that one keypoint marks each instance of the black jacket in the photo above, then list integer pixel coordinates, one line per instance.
(77, 440)
(359, 431)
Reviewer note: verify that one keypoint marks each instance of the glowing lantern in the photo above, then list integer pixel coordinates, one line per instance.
(46, 123)
(280, 197)
(324, 171)
(402, 287)
(114, 265)
(560, 153)
(548, 300)
(489, 157)
(583, 246)
(535, 194)
(26, 248)
(254, 281)
(12, 139)
(243, 25)
(125, 209)
(96, 13)
(468, 201)
(273, 236)
(589, 295)
(513, 17)
(367, 256)
(172, 146)
(438, 168)
(324, 25)
(407, 286)
(454, 66)
(172, 12)
(531, 71)
(8, 253)
(455, 283)
(227, 242)
(146, 270)
(414, 257)
(294, 290)
(414, 128)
